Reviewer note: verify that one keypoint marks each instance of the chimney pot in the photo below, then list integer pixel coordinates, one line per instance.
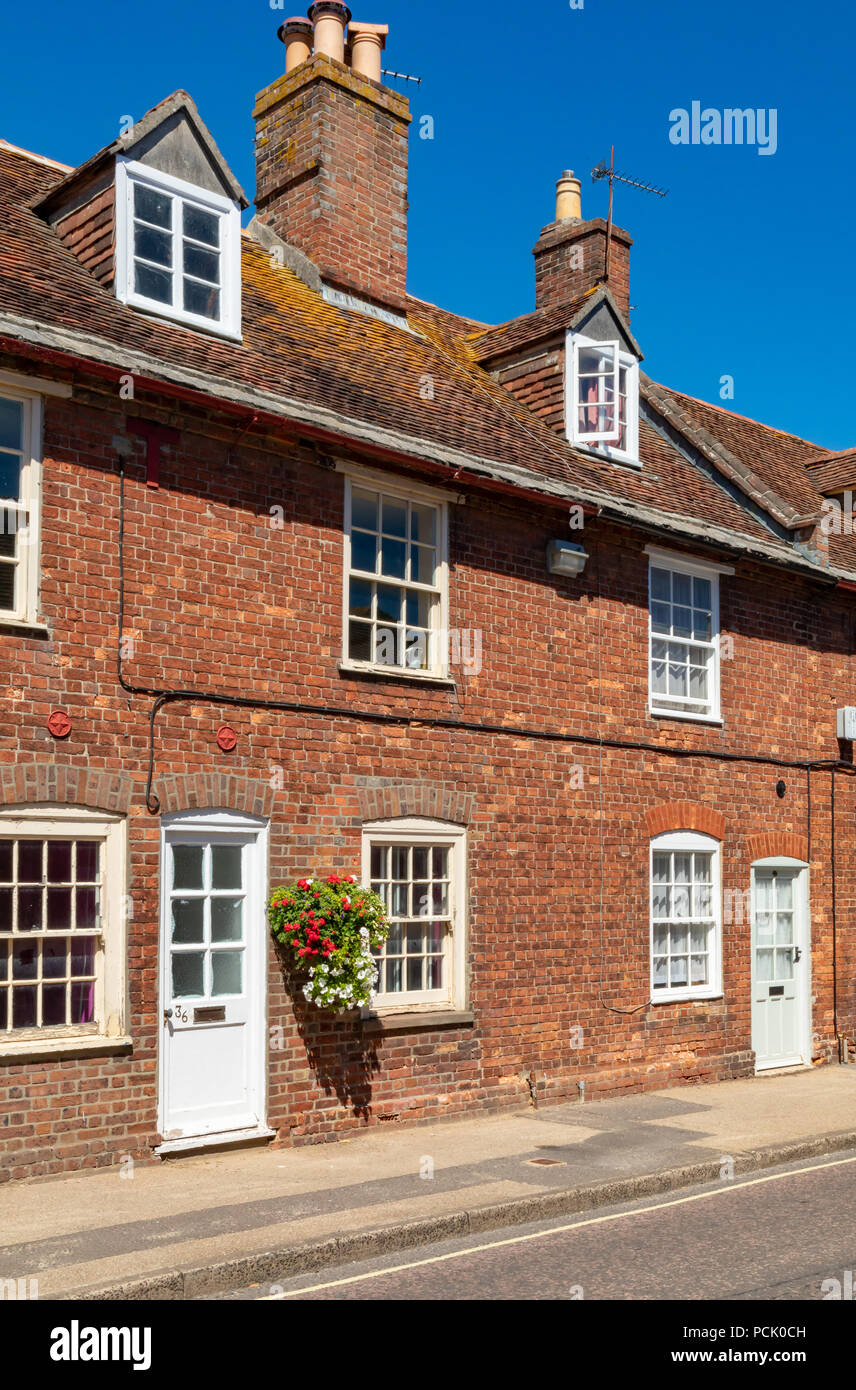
(367, 42)
(329, 18)
(296, 34)
(568, 202)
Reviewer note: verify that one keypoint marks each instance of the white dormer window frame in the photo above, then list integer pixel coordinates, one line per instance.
(618, 379)
(178, 247)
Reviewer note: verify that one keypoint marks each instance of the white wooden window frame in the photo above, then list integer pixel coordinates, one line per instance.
(111, 1008)
(606, 443)
(676, 706)
(28, 537)
(439, 642)
(688, 842)
(129, 173)
(420, 831)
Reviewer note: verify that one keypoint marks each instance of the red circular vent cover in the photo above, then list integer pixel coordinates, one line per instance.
(226, 738)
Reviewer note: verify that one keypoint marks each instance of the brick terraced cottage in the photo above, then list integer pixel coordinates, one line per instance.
(300, 574)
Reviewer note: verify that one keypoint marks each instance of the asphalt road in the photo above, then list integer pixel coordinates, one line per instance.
(776, 1236)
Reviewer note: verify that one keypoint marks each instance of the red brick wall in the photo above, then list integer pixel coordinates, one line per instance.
(570, 258)
(219, 599)
(331, 161)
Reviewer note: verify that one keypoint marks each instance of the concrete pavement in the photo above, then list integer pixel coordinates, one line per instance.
(199, 1224)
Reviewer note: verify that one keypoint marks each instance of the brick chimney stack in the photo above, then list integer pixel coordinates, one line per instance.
(331, 155)
(570, 255)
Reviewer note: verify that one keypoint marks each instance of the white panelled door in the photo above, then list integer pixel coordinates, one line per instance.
(213, 940)
(780, 967)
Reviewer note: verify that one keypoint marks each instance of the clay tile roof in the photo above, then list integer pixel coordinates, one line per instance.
(832, 472)
(306, 360)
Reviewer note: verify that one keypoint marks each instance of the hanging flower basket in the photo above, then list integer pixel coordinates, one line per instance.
(327, 928)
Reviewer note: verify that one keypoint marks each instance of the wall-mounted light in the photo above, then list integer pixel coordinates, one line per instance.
(563, 557)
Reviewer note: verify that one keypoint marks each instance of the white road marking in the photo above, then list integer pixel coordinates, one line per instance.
(554, 1231)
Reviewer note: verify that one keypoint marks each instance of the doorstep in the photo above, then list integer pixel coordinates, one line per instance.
(226, 1139)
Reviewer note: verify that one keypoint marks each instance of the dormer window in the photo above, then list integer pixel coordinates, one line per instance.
(177, 249)
(603, 398)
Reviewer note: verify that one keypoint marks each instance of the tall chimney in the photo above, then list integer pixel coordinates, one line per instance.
(331, 164)
(571, 255)
(329, 18)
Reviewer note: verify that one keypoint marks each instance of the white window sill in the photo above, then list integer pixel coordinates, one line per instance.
(38, 1049)
(33, 626)
(679, 714)
(396, 673)
(164, 312)
(626, 460)
(685, 997)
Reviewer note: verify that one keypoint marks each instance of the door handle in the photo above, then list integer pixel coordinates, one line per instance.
(167, 1015)
(797, 955)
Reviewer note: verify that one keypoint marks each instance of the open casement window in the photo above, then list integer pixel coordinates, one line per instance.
(684, 639)
(603, 398)
(395, 580)
(418, 867)
(62, 929)
(685, 917)
(596, 386)
(20, 478)
(178, 249)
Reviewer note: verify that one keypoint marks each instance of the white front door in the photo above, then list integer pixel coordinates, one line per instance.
(213, 940)
(780, 966)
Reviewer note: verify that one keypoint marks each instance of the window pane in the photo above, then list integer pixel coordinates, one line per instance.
(204, 265)
(5, 909)
(82, 955)
(393, 558)
(82, 1003)
(661, 618)
(152, 206)
(226, 972)
(10, 479)
(55, 959)
(394, 517)
(153, 245)
(87, 861)
(661, 976)
(24, 1007)
(201, 299)
(678, 971)
(53, 1006)
(421, 855)
(360, 641)
(187, 866)
(187, 967)
(187, 920)
(389, 603)
(59, 909)
(364, 551)
(25, 960)
(360, 598)
(201, 225)
(11, 424)
(422, 564)
(701, 593)
(226, 919)
(364, 509)
(226, 866)
(661, 585)
(29, 909)
(7, 587)
(153, 284)
(378, 861)
(86, 907)
(422, 524)
(682, 589)
(30, 861)
(5, 861)
(59, 861)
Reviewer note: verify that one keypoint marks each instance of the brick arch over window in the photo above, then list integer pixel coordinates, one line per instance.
(398, 799)
(214, 791)
(778, 844)
(685, 815)
(55, 784)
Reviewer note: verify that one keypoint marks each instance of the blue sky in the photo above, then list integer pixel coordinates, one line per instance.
(735, 273)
